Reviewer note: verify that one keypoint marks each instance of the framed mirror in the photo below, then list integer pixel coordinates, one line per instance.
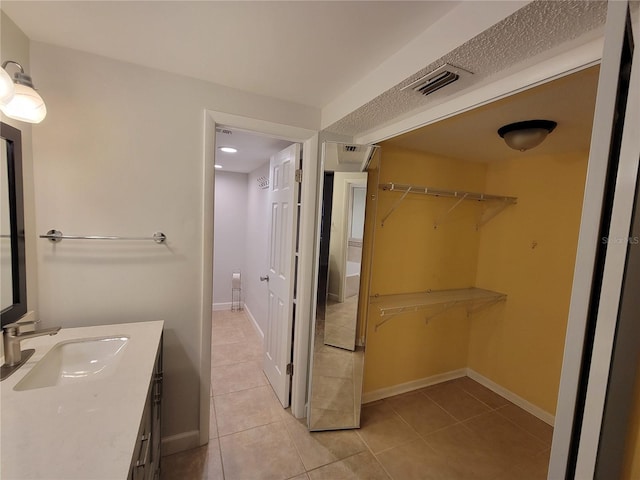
(337, 362)
(13, 275)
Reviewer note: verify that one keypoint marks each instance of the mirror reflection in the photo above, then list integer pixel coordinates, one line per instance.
(345, 253)
(337, 362)
(6, 283)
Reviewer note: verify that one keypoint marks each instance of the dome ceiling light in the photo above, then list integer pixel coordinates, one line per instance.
(525, 135)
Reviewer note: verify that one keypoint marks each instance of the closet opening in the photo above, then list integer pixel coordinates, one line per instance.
(474, 253)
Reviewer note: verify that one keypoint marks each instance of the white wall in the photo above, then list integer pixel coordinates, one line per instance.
(121, 153)
(230, 225)
(257, 247)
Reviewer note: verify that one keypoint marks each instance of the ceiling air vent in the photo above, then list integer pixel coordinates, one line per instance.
(351, 148)
(223, 131)
(440, 77)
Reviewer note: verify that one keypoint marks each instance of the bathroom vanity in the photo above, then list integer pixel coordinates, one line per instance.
(85, 405)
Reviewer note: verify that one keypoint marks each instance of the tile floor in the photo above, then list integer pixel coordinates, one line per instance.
(453, 430)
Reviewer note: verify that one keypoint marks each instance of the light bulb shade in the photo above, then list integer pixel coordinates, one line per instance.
(7, 89)
(26, 105)
(523, 136)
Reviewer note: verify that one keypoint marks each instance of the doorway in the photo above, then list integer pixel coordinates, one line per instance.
(308, 140)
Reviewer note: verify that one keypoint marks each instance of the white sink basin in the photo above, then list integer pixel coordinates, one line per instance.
(76, 361)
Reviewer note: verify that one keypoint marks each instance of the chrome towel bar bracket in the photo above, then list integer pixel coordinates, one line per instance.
(56, 236)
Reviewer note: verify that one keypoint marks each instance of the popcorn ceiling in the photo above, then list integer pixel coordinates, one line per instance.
(534, 29)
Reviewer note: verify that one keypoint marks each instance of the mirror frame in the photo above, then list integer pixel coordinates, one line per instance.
(18, 308)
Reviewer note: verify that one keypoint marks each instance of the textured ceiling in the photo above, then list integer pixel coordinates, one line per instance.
(569, 101)
(532, 30)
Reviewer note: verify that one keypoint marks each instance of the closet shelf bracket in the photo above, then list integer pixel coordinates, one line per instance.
(502, 201)
(435, 302)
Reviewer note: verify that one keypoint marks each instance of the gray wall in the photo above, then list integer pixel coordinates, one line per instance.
(230, 226)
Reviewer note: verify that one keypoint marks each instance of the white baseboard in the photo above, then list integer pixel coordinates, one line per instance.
(181, 442)
(538, 412)
(221, 306)
(253, 321)
(413, 385)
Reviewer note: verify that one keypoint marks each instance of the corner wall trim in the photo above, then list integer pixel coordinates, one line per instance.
(534, 410)
(180, 442)
(413, 385)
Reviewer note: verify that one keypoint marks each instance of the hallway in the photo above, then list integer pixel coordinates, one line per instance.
(454, 430)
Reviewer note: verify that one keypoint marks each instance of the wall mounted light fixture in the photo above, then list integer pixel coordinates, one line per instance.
(7, 90)
(26, 104)
(526, 135)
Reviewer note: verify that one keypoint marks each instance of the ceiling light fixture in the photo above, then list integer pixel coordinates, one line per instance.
(217, 166)
(228, 149)
(523, 136)
(25, 105)
(7, 90)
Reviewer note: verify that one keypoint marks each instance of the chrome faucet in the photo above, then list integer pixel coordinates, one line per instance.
(13, 337)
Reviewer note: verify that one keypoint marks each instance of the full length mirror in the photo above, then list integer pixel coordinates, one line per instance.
(13, 280)
(338, 352)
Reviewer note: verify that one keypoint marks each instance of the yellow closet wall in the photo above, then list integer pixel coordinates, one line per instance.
(528, 252)
(409, 255)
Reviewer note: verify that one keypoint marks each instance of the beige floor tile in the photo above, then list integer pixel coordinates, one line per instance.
(457, 402)
(225, 320)
(265, 452)
(321, 448)
(213, 423)
(532, 469)
(482, 393)
(224, 335)
(246, 409)
(233, 378)
(302, 476)
(229, 353)
(382, 428)
(203, 463)
(528, 422)
(250, 331)
(512, 442)
(422, 413)
(472, 457)
(417, 461)
(362, 466)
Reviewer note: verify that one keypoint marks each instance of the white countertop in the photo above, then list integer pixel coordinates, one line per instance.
(80, 431)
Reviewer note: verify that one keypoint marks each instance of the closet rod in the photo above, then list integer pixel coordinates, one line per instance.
(56, 236)
(436, 192)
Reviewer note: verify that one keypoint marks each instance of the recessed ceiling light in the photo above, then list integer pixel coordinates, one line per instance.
(217, 166)
(228, 149)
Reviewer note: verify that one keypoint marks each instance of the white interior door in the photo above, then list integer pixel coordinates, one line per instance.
(603, 247)
(283, 194)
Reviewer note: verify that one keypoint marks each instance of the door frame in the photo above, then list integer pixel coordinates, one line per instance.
(309, 140)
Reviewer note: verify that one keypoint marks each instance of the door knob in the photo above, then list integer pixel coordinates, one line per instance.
(264, 279)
